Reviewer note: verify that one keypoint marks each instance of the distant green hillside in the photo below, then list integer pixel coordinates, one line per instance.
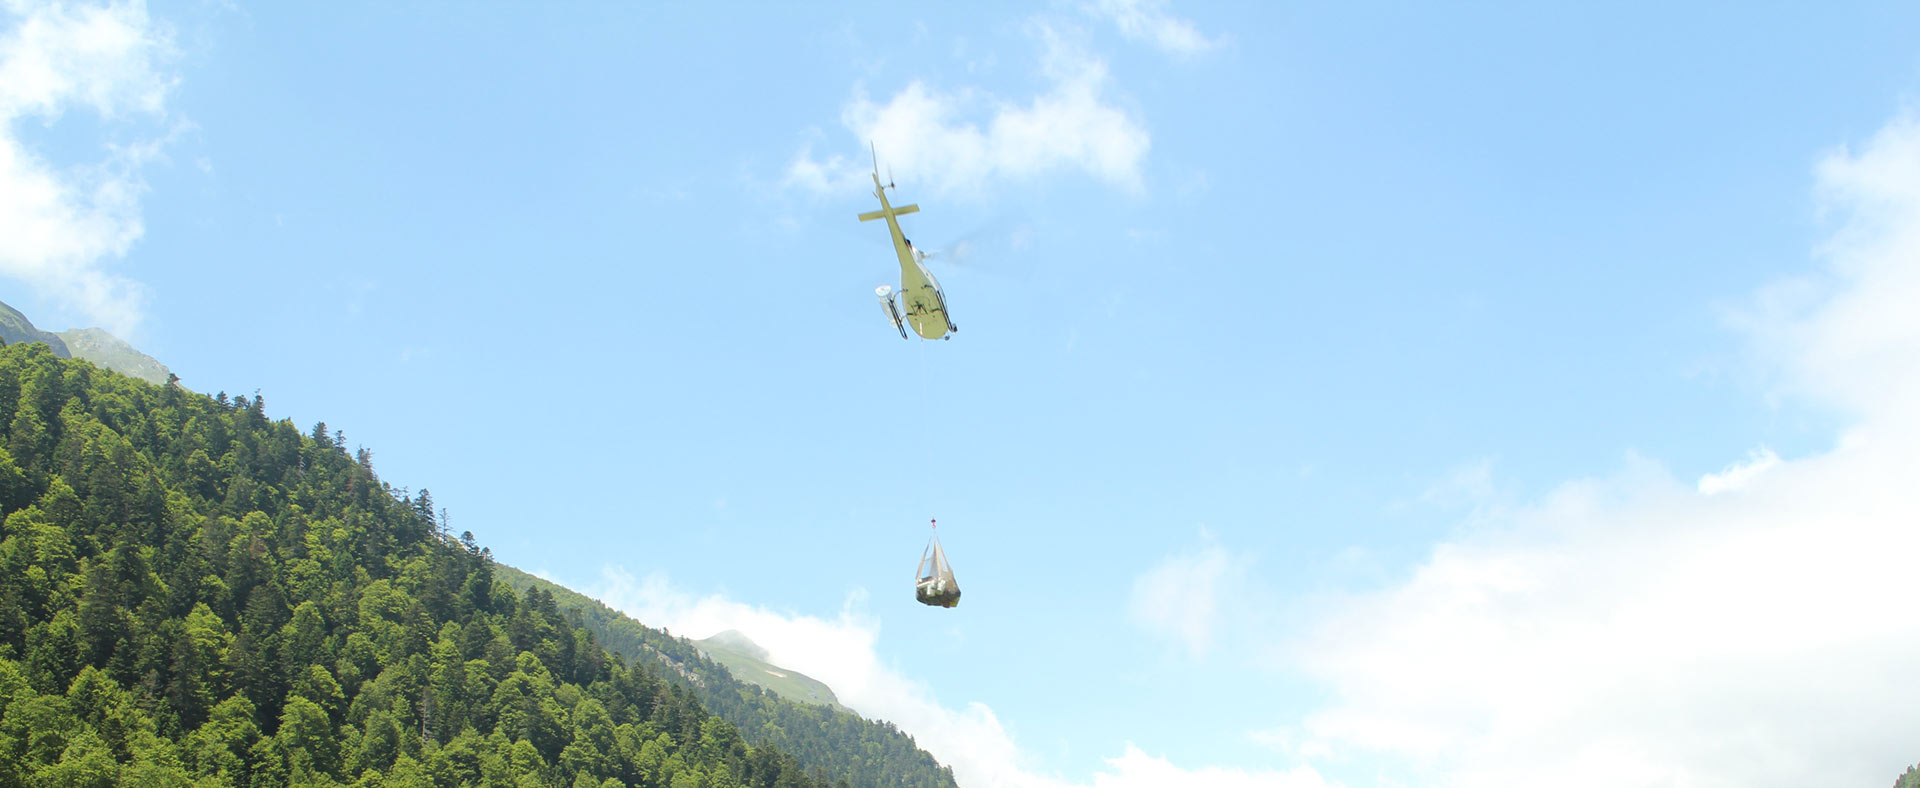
(94, 345)
(837, 743)
(16, 328)
(747, 661)
(107, 350)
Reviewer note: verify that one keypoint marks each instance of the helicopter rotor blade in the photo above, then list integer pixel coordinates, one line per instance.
(998, 246)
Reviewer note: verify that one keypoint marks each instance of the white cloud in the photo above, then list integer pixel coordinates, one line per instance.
(1136, 769)
(1755, 629)
(841, 652)
(1180, 598)
(963, 140)
(1286, 740)
(1738, 475)
(63, 224)
(1149, 21)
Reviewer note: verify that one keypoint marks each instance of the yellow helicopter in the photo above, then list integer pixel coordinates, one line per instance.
(919, 302)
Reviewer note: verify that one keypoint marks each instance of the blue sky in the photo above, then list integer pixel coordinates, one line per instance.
(1305, 349)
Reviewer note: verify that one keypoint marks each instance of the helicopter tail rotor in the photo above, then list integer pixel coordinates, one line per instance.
(875, 154)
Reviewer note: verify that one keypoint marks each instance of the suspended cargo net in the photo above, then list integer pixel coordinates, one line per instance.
(936, 585)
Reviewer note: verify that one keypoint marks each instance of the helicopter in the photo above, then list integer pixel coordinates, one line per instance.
(919, 301)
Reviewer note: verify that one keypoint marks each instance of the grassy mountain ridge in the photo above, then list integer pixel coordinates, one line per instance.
(95, 345)
(109, 351)
(16, 328)
(747, 661)
(840, 742)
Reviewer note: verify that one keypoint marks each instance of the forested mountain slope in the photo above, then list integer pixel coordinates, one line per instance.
(827, 738)
(192, 594)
